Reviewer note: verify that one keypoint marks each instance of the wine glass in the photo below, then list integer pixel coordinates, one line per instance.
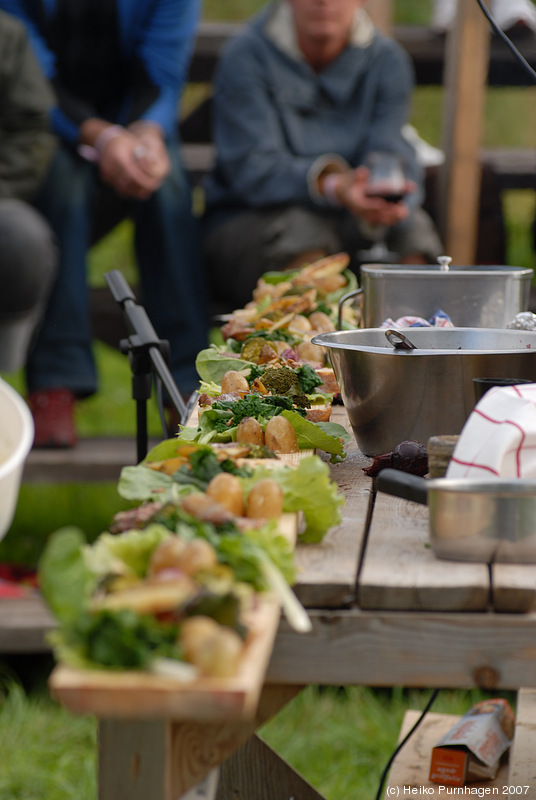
(387, 179)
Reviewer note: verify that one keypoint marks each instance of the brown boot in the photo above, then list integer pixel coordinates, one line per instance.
(53, 413)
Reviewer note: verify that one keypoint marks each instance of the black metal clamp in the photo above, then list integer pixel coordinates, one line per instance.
(148, 356)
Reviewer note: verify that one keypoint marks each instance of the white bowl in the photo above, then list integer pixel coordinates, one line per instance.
(16, 439)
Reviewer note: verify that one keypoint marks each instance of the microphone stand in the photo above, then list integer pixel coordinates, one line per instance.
(147, 355)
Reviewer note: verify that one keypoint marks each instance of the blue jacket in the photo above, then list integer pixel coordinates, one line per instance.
(275, 120)
(150, 53)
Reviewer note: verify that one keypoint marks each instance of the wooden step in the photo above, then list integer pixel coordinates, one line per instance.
(93, 459)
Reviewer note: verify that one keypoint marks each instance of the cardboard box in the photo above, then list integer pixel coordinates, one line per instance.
(471, 750)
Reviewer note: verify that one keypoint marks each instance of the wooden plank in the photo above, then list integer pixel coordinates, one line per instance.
(197, 749)
(411, 767)
(465, 81)
(513, 587)
(256, 772)
(387, 648)
(425, 47)
(133, 760)
(401, 572)
(25, 622)
(136, 695)
(327, 572)
(522, 760)
(93, 459)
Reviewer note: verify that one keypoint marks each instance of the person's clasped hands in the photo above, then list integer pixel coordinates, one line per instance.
(349, 190)
(133, 160)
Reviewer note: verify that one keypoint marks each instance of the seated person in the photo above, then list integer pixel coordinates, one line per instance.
(29, 258)
(117, 69)
(301, 97)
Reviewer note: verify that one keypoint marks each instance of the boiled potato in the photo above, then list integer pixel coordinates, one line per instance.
(166, 555)
(321, 322)
(215, 650)
(250, 430)
(300, 324)
(280, 436)
(234, 381)
(227, 490)
(311, 352)
(198, 555)
(265, 500)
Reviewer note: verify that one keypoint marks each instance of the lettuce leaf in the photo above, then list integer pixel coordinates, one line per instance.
(327, 436)
(211, 365)
(124, 553)
(64, 578)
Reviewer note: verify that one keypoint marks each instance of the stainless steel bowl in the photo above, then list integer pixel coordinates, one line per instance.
(472, 296)
(392, 395)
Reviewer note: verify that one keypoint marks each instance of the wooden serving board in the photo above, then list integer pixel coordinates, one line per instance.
(125, 694)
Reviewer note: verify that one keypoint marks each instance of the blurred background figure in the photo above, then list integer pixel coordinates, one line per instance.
(512, 16)
(117, 68)
(302, 96)
(27, 249)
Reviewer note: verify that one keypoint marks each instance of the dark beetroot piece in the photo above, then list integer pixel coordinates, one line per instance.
(408, 456)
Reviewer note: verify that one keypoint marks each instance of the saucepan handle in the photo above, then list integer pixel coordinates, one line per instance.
(403, 484)
(343, 300)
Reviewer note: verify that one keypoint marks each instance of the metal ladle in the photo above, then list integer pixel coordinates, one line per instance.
(399, 340)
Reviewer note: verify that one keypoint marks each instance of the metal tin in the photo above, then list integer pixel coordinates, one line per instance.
(472, 296)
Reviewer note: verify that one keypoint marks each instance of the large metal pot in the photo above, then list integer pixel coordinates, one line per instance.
(477, 296)
(392, 395)
(492, 521)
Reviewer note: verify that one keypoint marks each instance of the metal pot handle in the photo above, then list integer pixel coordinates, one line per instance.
(342, 301)
(403, 484)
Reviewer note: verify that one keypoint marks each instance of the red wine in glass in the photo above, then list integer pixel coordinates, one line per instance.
(387, 179)
(392, 193)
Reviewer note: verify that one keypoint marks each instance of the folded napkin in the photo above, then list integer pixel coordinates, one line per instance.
(499, 438)
(438, 320)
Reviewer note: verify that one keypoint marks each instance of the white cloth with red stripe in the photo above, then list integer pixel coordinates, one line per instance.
(499, 438)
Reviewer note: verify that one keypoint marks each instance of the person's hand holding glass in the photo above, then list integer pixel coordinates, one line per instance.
(385, 187)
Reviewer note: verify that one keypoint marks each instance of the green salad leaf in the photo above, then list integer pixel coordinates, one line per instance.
(212, 364)
(64, 578)
(124, 553)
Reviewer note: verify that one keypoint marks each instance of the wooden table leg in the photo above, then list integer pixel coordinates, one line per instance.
(256, 772)
(162, 759)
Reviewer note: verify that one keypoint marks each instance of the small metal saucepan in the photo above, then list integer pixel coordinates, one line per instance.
(490, 521)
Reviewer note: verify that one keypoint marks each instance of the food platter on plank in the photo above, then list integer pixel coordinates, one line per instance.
(142, 634)
(142, 566)
(139, 694)
(267, 383)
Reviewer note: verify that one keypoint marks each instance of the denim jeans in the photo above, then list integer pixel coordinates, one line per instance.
(80, 209)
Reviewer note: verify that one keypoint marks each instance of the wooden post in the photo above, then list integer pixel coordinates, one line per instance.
(466, 69)
(381, 13)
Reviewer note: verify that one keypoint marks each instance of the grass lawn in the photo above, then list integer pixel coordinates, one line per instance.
(338, 739)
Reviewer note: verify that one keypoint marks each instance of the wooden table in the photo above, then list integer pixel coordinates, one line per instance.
(385, 612)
